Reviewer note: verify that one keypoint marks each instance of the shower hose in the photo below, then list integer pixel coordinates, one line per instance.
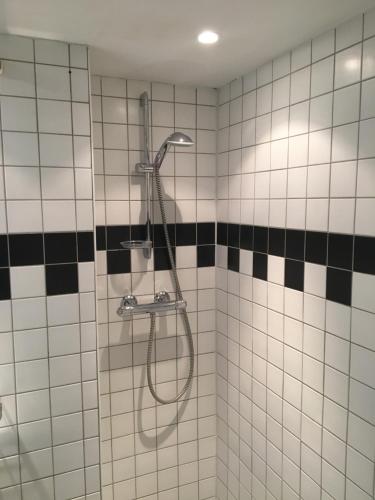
(183, 312)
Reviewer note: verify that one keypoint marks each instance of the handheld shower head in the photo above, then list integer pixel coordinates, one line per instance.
(175, 139)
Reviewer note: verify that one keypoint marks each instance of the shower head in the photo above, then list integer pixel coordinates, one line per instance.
(175, 139)
(179, 139)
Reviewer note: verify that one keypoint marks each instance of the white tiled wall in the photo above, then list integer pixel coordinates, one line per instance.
(152, 451)
(49, 446)
(295, 377)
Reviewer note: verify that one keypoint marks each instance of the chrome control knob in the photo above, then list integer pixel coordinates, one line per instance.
(162, 296)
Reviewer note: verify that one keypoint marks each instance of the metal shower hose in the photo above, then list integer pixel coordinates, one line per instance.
(183, 312)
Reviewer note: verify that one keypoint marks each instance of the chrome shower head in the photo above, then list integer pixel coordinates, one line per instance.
(175, 139)
(179, 139)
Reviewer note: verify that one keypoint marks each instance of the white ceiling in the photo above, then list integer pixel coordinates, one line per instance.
(156, 39)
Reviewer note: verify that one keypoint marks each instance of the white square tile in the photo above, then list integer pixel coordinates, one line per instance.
(17, 79)
(362, 365)
(185, 115)
(55, 150)
(29, 313)
(115, 87)
(30, 344)
(345, 142)
(80, 85)
(35, 435)
(65, 370)
(115, 136)
(349, 33)
(300, 85)
(280, 93)
(62, 309)
(114, 110)
(323, 45)
(51, 52)
(321, 112)
(82, 152)
(368, 58)
(52, 82)
(18, 114)
(279, 124)
(59, 215)
(366, 134)
(337, 353)
(278, 184)
(16, 47)
(317, 214)
(343, 179)
(54, 117)
(301, 56)
(315, 279)
(296, 210)
(264, 99)
(363, 291)
(362, 400)
(298, 150)
(322, 77)
(318, 181)
(28, 281)
(279, 154)
(297, 178)
(81, 118)
(7, 384)
(57, 183)
(346, 105)
(341, 215)
(364, 223)
(206, 117)
(22, 183)
(32, 375)
(281, 66)
(264, 74)
(33, 406)
(338, 319)
(366, 178)
(348, 66)
(24, 216)
(320, 147)
(20, 149)
(360, 470)
(78, 55)
(368, 99)
(6, 344)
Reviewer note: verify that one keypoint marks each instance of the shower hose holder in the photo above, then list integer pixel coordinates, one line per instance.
(162, 303)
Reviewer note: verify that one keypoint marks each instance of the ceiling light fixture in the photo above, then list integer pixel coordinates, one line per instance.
(208, 37)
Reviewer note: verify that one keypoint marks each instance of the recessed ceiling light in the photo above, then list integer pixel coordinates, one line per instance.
(208, 37)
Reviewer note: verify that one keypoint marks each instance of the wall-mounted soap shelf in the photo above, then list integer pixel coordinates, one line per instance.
(162, 303)
(136, 244)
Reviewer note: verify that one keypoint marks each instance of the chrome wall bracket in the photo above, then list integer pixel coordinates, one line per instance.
(162, 303)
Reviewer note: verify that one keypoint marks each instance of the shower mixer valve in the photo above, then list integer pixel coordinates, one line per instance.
(162, 303)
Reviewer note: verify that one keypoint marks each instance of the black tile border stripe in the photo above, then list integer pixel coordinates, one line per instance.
(58, 252)
(342, 254)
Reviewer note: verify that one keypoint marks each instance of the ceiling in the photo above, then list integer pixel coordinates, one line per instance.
(156, 39)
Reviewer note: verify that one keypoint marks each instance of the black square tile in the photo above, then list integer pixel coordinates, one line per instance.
(246, 237)
(115, 235)
(118, 261)
(101, 238)
(339, 286)
(26, 249)
(4, 284)
(159, 237)
(234, 235)
(206, 255)
(340, 250)
(260, 265)
(4, 260)
(206, 233)
(138, 232)
(161, 258)
(295, 244)
(186, 234)
(316, 247)
(85, 240)
(294, 274)
(364, 254)
(260, 239)
(61, 279)
(234, 259)
(276, 241)
(60, 247)
(222, 233)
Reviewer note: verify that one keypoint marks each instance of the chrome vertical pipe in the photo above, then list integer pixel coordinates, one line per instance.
(148, 173)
